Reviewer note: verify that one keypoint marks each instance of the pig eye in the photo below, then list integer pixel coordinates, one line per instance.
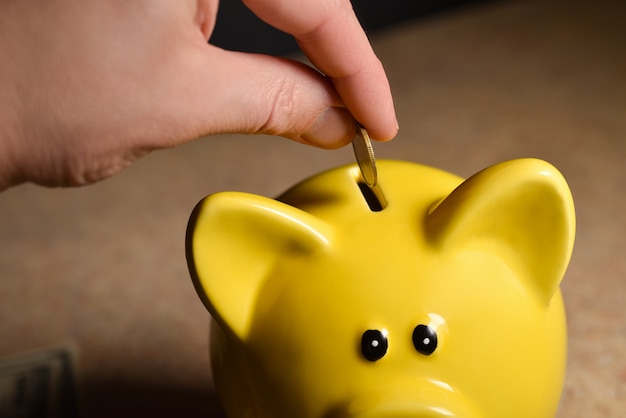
(374, 344)
(424, 339)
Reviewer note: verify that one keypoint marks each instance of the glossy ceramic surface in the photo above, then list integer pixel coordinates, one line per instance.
(446, 303)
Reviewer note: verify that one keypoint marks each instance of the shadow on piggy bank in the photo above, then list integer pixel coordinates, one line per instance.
(446, 303)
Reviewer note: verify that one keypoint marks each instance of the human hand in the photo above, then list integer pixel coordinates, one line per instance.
(89, 87)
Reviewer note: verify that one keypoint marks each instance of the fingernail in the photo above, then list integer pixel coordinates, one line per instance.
(333, 128)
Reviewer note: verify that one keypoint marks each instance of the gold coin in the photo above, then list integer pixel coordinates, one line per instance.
(365, 156)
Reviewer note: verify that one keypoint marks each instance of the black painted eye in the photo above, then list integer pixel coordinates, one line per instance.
(374, 344)
(424, 339)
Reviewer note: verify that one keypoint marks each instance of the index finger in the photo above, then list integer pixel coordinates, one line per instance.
(331, 36)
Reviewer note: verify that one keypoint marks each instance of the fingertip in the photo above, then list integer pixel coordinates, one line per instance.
(368, 96)
(382, 132)
(391, 133)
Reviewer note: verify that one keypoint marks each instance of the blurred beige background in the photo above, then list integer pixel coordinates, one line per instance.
(103, 267)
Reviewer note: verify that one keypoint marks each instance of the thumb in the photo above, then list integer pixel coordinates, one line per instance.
(234, 92)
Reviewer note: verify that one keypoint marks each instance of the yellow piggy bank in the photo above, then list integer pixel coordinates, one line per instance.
(446, 303)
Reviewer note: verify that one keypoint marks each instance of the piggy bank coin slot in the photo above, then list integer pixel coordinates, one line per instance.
(373, 196)
(374, 344)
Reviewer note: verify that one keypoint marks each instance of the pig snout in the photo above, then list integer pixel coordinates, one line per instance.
(406, 410)
(432, 400)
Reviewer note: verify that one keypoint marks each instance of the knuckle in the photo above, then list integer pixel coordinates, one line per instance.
(284, 100)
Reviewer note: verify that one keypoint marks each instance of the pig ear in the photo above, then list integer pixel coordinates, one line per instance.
(522, 211)
(233, 241)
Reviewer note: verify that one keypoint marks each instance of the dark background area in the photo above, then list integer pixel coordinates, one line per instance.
(238, 29)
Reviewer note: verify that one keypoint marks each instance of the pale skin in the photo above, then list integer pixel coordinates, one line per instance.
(88, 87)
